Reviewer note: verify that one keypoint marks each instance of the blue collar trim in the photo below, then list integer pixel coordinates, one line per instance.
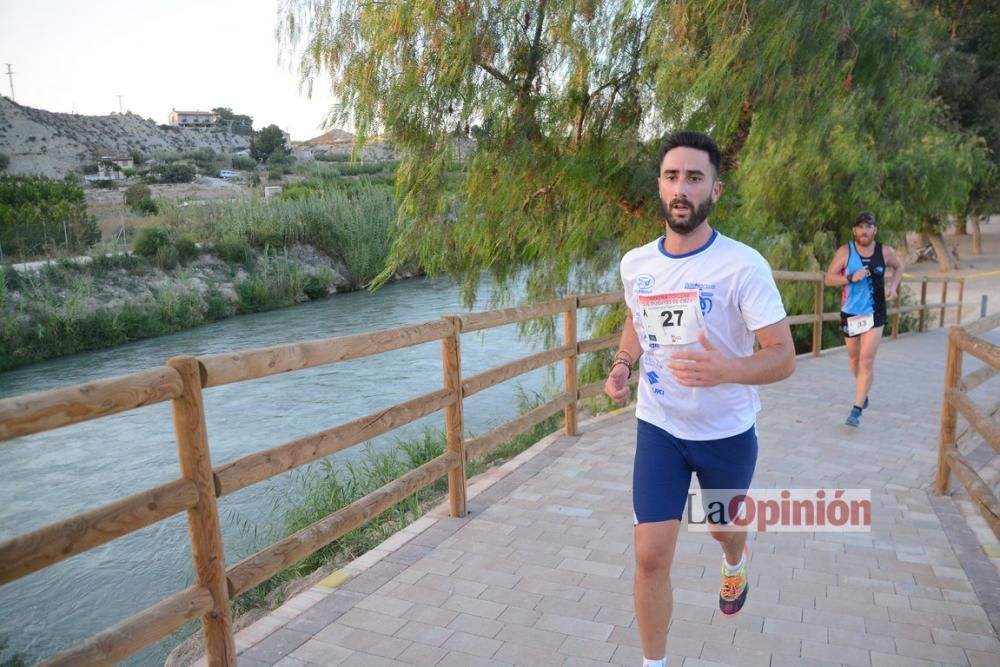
(710, 241)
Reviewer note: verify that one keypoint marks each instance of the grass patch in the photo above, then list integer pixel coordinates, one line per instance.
(323, 489)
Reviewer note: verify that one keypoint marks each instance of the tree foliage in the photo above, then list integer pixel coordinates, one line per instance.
(969, 83)
(822, 109)
(268, 143)
(236, 123)
(36, 212)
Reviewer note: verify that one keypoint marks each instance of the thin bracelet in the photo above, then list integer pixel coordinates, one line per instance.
(622, 362)
(628, 357)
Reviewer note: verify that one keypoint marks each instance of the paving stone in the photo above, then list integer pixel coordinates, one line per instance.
(735, 655)
(277, 645)
(424, 633)
(316, 652)
(471, 644)
(422, 655)
(844, 654)
(948, 654)
(375, 643)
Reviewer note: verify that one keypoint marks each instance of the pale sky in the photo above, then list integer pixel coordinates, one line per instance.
(73, 55)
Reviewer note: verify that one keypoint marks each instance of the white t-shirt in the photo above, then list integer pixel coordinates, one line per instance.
(725, 286)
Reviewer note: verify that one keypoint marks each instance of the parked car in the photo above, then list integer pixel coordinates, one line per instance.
(228, 173)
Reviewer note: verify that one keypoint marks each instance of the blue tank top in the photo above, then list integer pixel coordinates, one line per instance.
(868, 295)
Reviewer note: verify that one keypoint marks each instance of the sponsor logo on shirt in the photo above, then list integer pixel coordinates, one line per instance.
(706, 292)
(644, 283)
(655, 379)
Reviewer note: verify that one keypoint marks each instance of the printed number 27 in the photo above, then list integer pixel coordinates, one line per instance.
(668, 317)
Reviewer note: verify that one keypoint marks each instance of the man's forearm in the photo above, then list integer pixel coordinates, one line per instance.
(766, 365)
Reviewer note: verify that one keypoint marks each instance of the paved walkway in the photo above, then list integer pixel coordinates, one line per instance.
(540, 571)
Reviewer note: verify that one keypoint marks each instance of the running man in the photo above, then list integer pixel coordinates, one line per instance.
(696, 300)
(860, 267)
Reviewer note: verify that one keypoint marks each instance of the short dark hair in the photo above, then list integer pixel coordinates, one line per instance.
(865, 217)
(696, 140)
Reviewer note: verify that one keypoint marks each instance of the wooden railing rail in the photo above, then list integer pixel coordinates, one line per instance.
(962, 340)
(182, 381)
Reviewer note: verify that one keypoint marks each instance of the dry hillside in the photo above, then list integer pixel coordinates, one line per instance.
(52, 144)
(338, 142)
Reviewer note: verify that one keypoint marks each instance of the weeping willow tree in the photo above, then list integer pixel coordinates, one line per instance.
(822, 109)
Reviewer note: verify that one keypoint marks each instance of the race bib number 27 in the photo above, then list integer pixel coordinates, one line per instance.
(673, 318)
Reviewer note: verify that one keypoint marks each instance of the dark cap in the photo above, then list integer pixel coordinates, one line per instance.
(864, 218)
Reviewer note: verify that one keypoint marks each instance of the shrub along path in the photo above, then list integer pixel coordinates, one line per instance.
(539, 573)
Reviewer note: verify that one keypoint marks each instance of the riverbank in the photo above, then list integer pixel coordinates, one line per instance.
(66, 307)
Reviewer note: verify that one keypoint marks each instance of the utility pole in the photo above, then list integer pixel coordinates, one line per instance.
(119, 102)
(10, 77)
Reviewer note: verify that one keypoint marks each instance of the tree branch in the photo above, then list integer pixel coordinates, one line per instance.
(540, 192)
(536, 54)
(494, 72)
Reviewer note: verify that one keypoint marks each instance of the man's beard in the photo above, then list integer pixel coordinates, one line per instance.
(696, 215)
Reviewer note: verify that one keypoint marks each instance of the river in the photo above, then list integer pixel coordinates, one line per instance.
(51, 476)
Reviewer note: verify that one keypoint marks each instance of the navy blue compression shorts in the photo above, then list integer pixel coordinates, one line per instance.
(661, 475)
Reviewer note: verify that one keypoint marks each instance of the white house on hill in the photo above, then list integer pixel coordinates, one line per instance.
(191, 118)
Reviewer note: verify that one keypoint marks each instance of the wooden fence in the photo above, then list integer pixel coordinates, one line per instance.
(182, 381)
(956, 401)
(922, 307)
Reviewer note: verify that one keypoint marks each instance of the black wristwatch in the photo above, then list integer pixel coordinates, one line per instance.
(849, 281)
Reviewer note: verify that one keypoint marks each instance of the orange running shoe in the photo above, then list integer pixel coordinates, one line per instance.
(734, 589)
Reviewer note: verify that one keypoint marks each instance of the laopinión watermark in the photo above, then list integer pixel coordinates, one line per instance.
(780, 510)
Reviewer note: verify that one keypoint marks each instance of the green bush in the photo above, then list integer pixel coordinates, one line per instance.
(149, 240)
(167, 256)
(217, 306)
(177, 172)
(104, 184)
(205, 159)
(315, 288)
(186, 247)
(254, 295)
(4, 161)
(146, 207)
(235, 250)
(299, 191)
(135, 193)
(332, 157)
(244, 163)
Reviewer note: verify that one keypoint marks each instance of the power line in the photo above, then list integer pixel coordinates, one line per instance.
(10, 77)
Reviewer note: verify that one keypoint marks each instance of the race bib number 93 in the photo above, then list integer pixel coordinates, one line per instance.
(673, 318)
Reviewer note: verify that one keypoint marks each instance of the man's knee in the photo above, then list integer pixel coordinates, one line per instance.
(651, 561)
(867, 362)
(654, 547)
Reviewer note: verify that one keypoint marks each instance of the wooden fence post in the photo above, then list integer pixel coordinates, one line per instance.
(923, 304)
(203, 520)
(952, 377)
(961, 295)
(569, 364)
(944, 300)
(451, 366)
(818, 324)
